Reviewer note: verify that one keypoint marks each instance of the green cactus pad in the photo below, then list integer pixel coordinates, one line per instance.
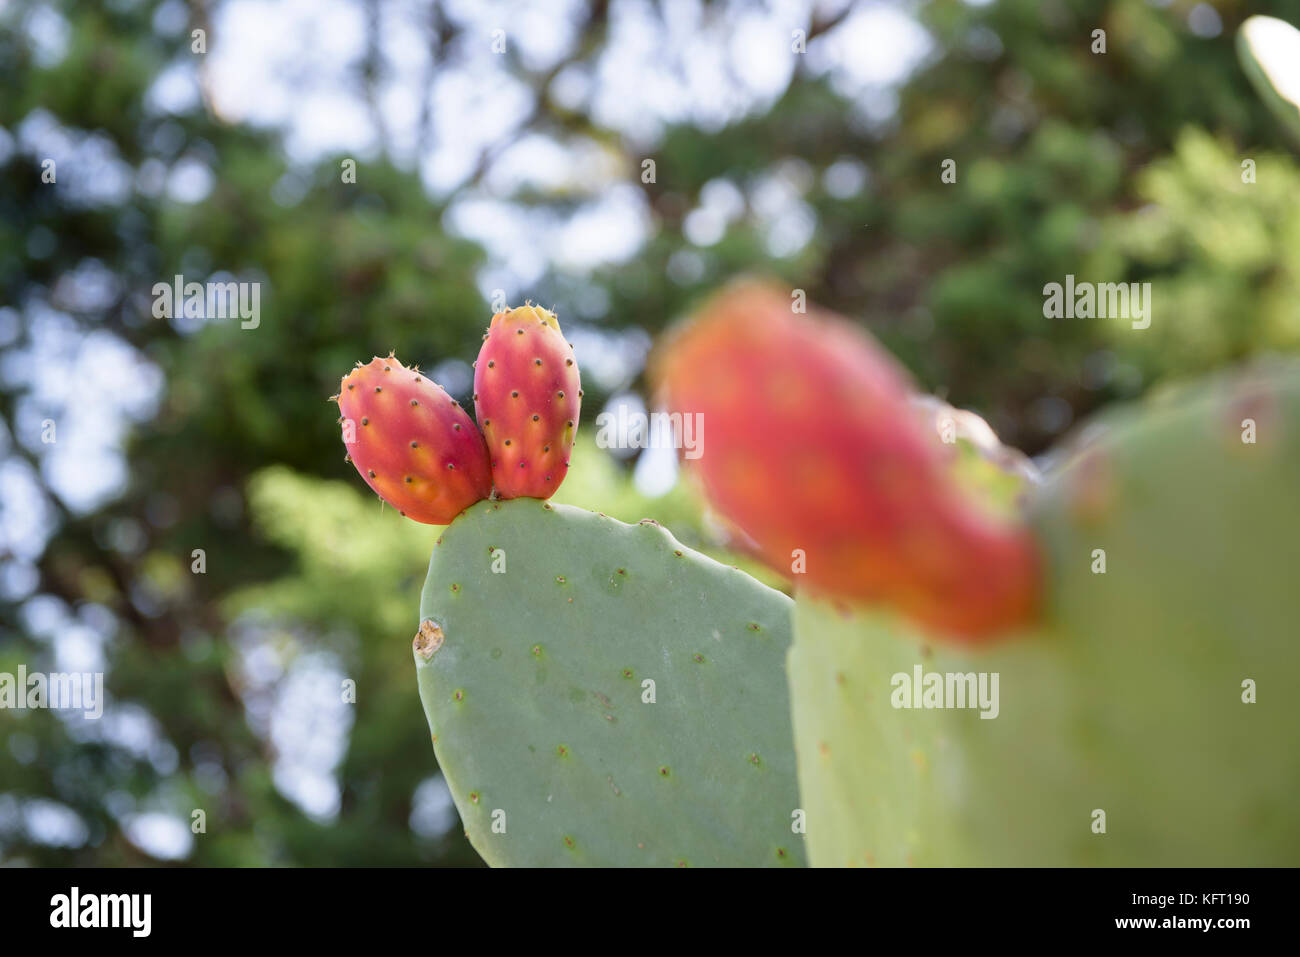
(534, 680)
(1129, 702)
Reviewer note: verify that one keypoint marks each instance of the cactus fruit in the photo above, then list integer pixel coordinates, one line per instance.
(411, 442)
(1144, 725)
(1269, 51)
(599, 694)
(815, 451)
(527, 397)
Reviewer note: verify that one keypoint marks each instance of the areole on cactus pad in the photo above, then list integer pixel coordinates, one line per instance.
(815, 452)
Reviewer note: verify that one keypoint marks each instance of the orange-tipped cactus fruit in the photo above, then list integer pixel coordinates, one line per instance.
(412, 442)
(528, 396)
(812, 449)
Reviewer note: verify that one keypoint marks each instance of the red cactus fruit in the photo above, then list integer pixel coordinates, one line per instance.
(527, 396)
(813, 450)
(411, 442)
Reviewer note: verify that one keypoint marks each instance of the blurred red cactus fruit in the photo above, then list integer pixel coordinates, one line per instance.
(813, 450)
(527, 396)
(412, 442)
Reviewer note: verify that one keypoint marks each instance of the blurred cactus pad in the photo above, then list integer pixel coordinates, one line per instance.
(1149, 721)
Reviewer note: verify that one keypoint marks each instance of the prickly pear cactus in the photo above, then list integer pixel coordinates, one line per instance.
(528, 397)
(815, 451)
(1150, 722)
(600, 694)
(412, 442)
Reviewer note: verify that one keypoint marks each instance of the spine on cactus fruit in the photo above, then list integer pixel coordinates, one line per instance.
(814, 452)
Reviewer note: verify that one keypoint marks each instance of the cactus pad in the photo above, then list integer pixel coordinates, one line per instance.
(599, 694)
(1159, 693)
